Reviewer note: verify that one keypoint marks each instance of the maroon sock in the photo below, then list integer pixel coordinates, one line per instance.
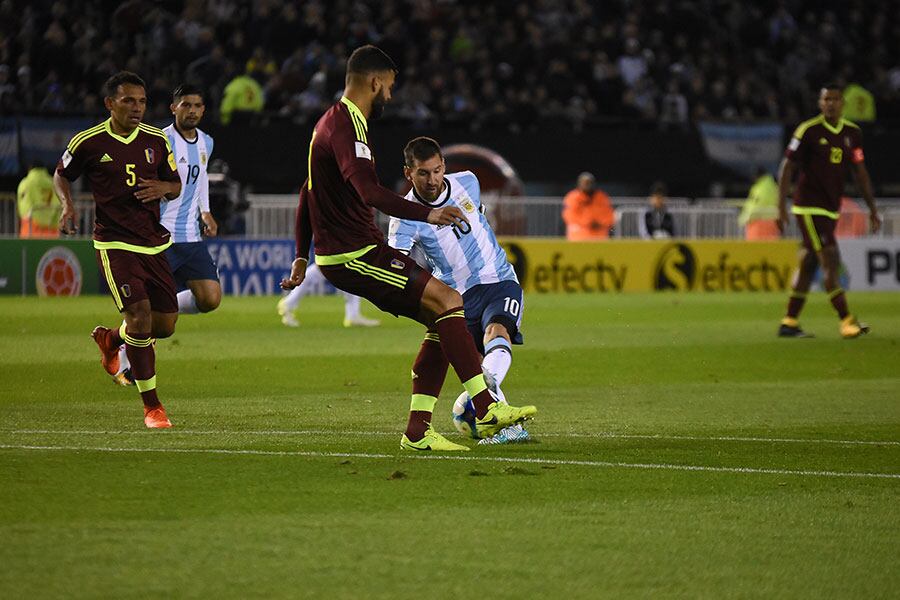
(139, 349)
(839, 302)
(429, 371)
(114, 338)
(795, 304)
(460, 350)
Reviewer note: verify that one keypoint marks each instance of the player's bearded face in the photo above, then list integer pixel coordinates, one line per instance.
(385, 81)
(378, 105)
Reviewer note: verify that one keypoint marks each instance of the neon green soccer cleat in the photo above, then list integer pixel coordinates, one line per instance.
(432, 441)
(500, 416)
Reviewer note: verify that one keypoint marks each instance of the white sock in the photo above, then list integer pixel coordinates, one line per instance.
(187, 304)
(124, 363)
(497, 358)
(351, 306)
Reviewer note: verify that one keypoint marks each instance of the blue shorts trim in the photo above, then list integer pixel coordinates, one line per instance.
(494, 303)
(190, 261)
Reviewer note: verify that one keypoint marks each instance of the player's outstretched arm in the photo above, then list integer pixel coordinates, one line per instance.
(865, 186)
(68, 219)
(366, 184)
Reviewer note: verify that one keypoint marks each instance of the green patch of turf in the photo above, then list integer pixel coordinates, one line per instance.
(681, 450)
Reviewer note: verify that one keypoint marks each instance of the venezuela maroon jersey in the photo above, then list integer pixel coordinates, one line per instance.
(822, 153)
(113, 165)
(343, 222)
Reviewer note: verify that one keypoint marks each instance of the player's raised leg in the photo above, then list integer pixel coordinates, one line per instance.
(444, 305)
(496, 364)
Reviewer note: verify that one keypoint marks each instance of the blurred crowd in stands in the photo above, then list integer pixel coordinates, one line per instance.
(508, 64)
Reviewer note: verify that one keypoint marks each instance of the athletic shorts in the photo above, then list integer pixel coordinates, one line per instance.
(817, 231)
(384, 276)
(494, 303)
(190, 261)
(132, 277)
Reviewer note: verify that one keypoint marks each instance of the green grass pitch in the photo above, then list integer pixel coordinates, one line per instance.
(681, 450)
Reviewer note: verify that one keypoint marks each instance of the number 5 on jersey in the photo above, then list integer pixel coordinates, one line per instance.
(132, 178)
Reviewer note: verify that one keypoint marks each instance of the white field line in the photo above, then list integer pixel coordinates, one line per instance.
(495, 459)
(597, 435)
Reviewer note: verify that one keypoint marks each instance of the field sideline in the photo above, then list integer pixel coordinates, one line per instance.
(682, 450)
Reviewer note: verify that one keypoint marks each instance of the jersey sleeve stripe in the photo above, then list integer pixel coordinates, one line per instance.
(360, 128)
(80, 137)
(355, 127)
(802, 127)
(156, 132)
(151, 128)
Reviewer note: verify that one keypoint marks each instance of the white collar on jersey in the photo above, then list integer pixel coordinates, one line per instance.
(438, 202)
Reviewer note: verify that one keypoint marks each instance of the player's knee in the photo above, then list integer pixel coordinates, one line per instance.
(163, 328)
(451, 299)
(138, 318)
(209, 303)
(495, 330)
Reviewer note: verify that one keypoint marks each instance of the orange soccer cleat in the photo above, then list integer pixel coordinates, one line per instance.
(156, 418)
(109, 354)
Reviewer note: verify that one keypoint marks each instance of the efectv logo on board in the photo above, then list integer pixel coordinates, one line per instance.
(676, 268)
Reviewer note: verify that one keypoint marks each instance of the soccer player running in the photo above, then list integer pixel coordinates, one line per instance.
(130, 167)
(336, 208)
(467, 257)
(821, 149)
(195, 272)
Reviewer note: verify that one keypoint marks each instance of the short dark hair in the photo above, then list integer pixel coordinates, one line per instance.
(187, 89)
(122, 78)
(658, 188)
(420, 149)
(369, 59)
(833, 85)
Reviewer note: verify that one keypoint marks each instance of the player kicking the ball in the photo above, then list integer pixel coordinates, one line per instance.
(467, 257)
(336, 208)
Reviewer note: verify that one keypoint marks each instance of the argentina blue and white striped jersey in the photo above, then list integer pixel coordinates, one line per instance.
(461, 257)
(181, 215)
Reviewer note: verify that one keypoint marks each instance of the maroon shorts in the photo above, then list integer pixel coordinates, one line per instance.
(817, 231)
(384, 276)
(132, 277)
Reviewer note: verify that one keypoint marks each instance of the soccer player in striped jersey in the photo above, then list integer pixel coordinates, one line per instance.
(336, 208)
(195, 272)
(130, 167)
(193, 267)
(467, 257)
